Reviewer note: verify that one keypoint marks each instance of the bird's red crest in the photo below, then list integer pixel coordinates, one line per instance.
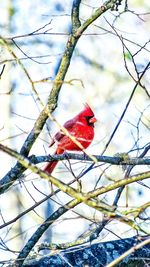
(87, 111)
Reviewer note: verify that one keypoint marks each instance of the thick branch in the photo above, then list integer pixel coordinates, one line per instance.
(100, 254)
(27, 164)
(19, 168)
(98, 12)
(88, 198)
(75, 15)
(39, 232)
(116, 160)
(16, 172)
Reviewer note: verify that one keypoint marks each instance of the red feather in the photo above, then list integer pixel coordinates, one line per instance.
(81, 127)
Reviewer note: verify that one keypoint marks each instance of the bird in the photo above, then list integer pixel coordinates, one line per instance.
(80, 128)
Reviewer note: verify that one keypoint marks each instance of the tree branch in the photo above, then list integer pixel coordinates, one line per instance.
(16, 172)
(116, 160)
(100, 254)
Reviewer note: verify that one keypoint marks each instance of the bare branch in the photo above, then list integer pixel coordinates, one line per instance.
(8, 180)
(126, 107)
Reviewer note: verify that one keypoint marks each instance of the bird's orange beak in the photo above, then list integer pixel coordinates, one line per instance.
(93, 120)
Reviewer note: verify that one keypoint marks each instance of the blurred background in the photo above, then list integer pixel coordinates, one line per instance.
(102, 72)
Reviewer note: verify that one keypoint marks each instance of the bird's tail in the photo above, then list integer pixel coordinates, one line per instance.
(51, 165)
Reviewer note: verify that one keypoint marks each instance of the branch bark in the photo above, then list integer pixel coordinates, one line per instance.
(76, 33)
(100, 254)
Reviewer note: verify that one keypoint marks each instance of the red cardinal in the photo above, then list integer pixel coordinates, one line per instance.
(81, 127)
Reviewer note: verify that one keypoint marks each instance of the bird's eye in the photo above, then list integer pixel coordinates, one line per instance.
(90, 120)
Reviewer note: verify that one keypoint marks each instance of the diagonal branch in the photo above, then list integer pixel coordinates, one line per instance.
(17, 170)
(126, 107)
(88, 199)
(28, 164)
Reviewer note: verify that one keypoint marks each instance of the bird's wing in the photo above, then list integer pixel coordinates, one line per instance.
(59, 135)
